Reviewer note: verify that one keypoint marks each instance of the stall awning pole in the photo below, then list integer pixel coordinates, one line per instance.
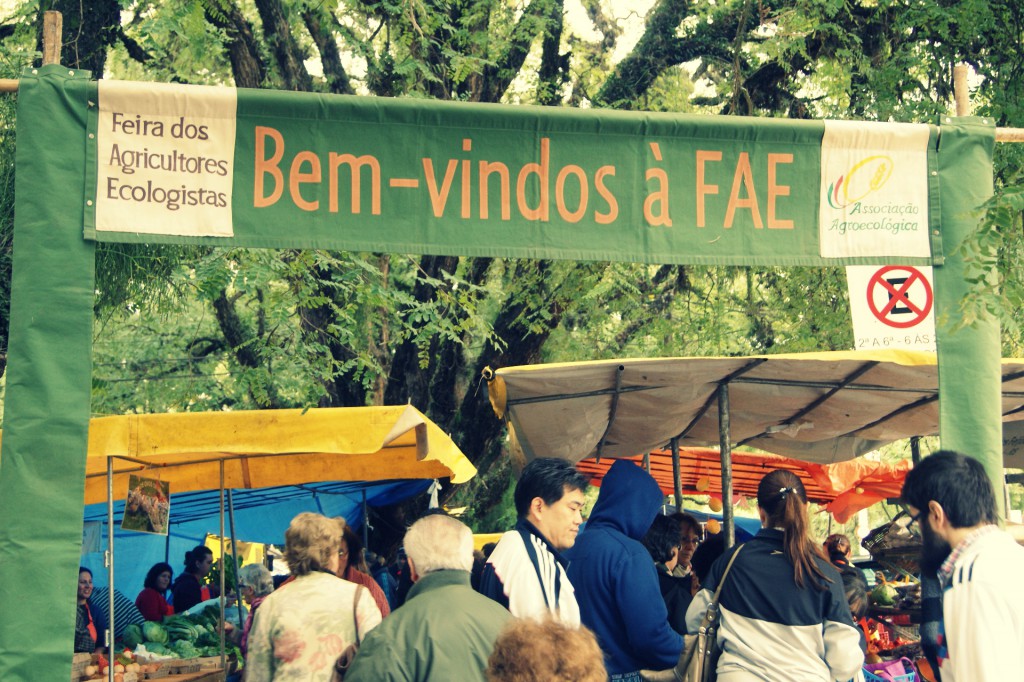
(110, 558)
(223, 570)
(234, 557)
(677, 480)
(725, 447)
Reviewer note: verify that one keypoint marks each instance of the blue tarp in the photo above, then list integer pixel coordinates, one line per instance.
(261, 515)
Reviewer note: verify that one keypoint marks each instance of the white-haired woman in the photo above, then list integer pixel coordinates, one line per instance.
(301, 629)
(255, 583)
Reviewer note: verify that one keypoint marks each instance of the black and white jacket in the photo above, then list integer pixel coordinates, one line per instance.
(526, 575)
(771, 629)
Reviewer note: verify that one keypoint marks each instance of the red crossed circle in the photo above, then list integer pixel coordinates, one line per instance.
(899, 296)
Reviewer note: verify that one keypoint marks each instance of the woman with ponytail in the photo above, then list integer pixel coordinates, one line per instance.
(784, 614)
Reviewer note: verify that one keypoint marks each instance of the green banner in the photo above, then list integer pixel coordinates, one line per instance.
(970, 406)
(46, 406)
(285, 170)
(155, 163)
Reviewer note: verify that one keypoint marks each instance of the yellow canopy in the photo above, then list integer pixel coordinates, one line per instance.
(263, 448)
(481, 539)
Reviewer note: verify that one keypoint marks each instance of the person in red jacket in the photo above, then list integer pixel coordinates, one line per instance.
(152, 601)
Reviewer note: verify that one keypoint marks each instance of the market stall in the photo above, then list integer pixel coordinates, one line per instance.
(818, 407)
(64, 128)
(251, 449)
(842, 488)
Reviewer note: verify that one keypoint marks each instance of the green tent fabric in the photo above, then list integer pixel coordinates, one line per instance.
(363, 173)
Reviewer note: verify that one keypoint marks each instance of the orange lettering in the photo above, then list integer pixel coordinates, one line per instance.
(355, 165)
(541, 171)
(486, 169)
(743, 174)
(571, 216)
(658, 197)
(776, 190)
(465, 188)
(703, 189)
(264, 165)
(297, 177)
(439, 199)
(613, 205)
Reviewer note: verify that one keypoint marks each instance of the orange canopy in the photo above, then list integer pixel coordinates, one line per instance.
(844, 488)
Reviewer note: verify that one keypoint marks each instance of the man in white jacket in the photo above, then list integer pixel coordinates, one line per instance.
(979, 567)
(526, 571)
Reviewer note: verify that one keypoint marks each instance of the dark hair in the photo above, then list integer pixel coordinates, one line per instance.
(549, 479)
(687, 522)
(782, 496)
(836, 546)
(83, 569)
(705, 555)
(195, 555)
(958, 483)
(662, 537)
(856, 591)
(355, 549)
(155, 572)
(488, 548)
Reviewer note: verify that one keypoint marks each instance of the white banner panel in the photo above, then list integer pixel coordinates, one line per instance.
(165, 155)
(892, 307)
(874, 180)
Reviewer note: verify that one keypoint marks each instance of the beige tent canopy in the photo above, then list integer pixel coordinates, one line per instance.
(261, 448)
(818, 407)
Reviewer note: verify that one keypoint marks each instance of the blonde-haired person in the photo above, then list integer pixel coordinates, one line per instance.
(300, 630)
(545, 651)
(784, 614)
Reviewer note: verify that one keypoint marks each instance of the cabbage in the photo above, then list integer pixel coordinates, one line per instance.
(884, 595)
(160, 649)
(132, 636)
(185, 649)
(154, 632)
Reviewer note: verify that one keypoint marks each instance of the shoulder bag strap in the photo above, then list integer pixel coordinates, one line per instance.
(355, 613)
(711, 613)
(718, 590)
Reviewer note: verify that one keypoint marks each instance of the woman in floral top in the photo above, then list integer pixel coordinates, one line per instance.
(301, 629)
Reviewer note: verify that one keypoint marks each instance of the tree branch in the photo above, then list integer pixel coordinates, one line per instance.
(318, 24)
(287, 54)
(243, 52)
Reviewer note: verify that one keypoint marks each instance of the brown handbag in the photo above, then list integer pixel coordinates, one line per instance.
(344, 661)
(699, 658)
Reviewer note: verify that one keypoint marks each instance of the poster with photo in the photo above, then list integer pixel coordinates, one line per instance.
(147, 507)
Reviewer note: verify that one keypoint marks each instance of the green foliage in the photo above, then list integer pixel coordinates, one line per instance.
(230, 568)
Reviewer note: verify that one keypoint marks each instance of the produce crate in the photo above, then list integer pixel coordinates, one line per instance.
(182, 666)
(78, 666)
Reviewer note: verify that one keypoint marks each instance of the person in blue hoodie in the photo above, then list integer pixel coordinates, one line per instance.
(616, 582)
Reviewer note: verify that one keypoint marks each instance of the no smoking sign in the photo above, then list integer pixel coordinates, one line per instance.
(892, 306)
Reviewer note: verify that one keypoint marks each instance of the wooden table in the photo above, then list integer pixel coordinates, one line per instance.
(205, 675)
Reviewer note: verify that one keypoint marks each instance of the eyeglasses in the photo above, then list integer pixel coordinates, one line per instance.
(342, 552)
(690, 541)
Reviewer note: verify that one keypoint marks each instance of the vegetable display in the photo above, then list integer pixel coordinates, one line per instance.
(181, 636)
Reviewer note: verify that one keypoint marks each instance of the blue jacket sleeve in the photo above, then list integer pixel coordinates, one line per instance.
(491, 586)
(643, 610)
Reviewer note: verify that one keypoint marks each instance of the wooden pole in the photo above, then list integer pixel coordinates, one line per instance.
(725, 450)
(677, 481)
(961, 94)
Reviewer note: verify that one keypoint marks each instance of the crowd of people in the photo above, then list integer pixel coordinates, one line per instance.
(549, 602)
